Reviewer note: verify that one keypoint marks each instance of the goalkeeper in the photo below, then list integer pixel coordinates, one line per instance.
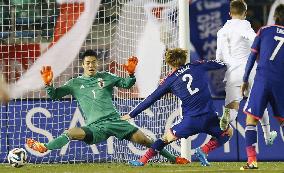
(93, 91)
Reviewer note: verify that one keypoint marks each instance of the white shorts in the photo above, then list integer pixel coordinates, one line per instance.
(233, 93)
(233, 86)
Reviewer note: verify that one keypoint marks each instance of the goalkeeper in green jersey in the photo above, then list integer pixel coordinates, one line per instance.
(93, 91)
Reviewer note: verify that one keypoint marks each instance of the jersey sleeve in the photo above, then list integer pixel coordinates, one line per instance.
(58, 93)
(152, 98)
(253, 55)
(256, 43)
(249, 34)
(127, 82)
(220, 42)
(212, 64)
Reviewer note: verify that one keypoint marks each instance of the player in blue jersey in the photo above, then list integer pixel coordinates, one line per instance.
(188, 83)
(268, 51)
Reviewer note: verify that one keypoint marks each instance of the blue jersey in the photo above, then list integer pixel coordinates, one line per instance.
(268, 51)
(189, 84)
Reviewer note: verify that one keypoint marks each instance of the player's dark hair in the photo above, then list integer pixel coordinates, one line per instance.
(238, 7)
(176, 57)
(279, 15)
(88, 52)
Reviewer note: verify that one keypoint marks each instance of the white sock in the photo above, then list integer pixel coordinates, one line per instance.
(282, 126)
(264, 121)
(233, 114)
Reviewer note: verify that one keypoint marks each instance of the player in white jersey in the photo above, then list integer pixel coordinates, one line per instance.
(234, 40)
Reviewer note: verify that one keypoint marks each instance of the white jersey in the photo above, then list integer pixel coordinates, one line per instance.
(234, 42)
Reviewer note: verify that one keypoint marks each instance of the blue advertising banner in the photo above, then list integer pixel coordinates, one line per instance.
(44, 120)
(206, 18)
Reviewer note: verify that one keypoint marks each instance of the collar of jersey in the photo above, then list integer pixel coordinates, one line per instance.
(89, 77)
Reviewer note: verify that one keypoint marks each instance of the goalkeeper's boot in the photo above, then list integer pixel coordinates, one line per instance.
(136, 163)
(252, 165)
(225, 119)
(181, 161)
(272, 136)
(201, 156)
(35, 145)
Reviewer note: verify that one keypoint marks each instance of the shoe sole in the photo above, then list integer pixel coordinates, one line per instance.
(201, 159)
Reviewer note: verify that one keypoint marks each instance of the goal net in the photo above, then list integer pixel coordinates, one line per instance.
(31, 33)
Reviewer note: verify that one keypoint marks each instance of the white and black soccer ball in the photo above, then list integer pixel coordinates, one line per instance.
(17, 157)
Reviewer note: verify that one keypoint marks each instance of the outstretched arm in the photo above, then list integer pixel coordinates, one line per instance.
(130, 67)
(54, 93)
(157, 94)
(131, 64)
(212, 64)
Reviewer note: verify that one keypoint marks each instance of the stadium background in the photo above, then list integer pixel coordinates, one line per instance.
(29, 28)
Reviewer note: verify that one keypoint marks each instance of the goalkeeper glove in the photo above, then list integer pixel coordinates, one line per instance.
(46, 75)
(131, 65)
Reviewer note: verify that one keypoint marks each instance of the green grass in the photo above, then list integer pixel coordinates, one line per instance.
(219, 167)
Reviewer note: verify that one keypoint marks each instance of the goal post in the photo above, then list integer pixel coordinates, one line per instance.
(184, 42)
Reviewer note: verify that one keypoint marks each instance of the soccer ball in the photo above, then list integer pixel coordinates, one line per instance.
(17, 157)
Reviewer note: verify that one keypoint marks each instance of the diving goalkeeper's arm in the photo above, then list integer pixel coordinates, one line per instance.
(130, 67)
(131, 64)
(54, 93)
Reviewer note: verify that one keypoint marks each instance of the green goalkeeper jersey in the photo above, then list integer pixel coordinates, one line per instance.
(94, 94)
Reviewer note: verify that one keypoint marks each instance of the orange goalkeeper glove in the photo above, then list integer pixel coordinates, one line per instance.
(131, 64)
(46, 75)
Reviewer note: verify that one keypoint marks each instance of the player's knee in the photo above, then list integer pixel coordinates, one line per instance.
(75, 134)
(230, 131)
(168, 137)
(140, 138)
(250, 120)
(146, 142)
(233, 105)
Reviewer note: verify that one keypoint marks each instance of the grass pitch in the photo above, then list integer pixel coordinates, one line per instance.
(219, 167)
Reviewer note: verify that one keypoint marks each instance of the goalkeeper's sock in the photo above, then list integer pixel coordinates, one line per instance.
(159, 145)
(210, 145)
(251, 139)
(168, 155)
(58, 142)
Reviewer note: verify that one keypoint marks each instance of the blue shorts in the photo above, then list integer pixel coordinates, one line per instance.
(206, 123)
(263, 93)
